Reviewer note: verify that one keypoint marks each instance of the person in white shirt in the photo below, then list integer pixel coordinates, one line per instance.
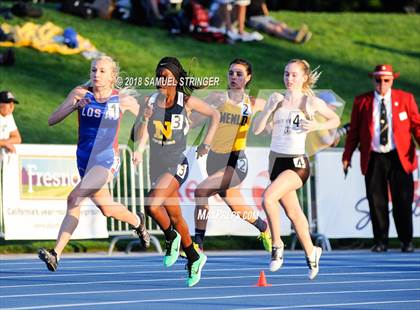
(9, 133)
(290, 117)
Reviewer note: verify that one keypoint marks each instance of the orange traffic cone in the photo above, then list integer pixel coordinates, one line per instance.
(262, 280)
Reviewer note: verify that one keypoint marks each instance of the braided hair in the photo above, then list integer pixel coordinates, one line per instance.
(184, 84)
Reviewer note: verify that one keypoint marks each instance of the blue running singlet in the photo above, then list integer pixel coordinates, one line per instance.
(99, 123)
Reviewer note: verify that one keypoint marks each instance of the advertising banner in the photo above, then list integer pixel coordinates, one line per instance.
(36, 182)
(342, 206)
(221, 221)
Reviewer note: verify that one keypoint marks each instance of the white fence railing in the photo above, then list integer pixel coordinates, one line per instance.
(130, 188)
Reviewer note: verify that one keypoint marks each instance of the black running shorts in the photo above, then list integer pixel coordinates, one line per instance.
(180, 171)
(297, 163)
(237, 160)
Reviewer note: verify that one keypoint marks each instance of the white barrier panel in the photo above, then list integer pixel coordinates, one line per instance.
(221, 221)
(36, 182)
(342, 206)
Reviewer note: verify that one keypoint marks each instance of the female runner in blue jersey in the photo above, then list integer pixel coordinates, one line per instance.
(165, 122)
(100, 108)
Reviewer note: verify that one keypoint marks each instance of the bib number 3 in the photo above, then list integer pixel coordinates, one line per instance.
(181, 171)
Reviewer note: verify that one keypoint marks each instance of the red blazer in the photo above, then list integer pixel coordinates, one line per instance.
(405, 121)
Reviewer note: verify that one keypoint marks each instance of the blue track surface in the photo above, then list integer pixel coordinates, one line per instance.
(347, 280)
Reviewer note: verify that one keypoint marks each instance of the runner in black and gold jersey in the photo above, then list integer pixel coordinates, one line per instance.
(227, 164)
(165, 122)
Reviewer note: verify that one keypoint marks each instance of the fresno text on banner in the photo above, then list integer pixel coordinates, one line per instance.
(36, 182)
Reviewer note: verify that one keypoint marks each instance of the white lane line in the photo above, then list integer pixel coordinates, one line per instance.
(209, 278)
(68, 261)
(84, 267)
(389, 256)
(336, 305)
(376, 281)
(414, 260)
(125, 302)
(55, 275)
(326, 264)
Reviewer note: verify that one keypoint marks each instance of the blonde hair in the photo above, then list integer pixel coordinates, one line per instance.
(114, 67)
(313, 75)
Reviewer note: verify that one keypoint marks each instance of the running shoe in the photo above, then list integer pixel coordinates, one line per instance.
(142, 232)
(194, 270)
(172, 250)
(265, 237)
(49, 258)
(313, 263)
(276, 258)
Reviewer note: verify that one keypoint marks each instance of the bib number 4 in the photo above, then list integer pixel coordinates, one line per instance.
(299, 162)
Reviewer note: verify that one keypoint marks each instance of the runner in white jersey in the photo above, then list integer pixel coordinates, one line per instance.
(289, 118)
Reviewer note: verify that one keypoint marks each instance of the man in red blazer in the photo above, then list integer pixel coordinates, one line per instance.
(382, 124)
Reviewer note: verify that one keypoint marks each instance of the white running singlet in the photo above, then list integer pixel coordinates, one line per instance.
(288, 137)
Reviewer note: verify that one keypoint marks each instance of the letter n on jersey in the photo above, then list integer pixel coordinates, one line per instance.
(161, 129)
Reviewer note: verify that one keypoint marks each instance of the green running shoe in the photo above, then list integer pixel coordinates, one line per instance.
(172, 250)
(265, 237)
(194, 270)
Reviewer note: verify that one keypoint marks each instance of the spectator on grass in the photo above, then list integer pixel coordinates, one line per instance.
(226, 13)
(258, 17)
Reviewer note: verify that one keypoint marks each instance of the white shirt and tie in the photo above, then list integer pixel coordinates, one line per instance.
(376, 143)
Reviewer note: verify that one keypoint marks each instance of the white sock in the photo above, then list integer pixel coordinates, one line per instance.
(138, 221)
(58, 256)
(312, 256)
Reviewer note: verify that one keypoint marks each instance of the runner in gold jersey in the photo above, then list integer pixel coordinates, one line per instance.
(227, 164)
